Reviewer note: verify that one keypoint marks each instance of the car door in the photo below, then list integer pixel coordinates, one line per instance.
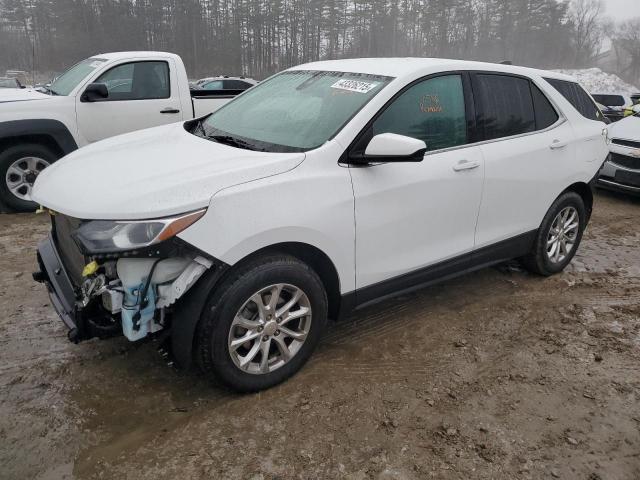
(414, 215)
(589, 127)
(140, 96)
(529, 153)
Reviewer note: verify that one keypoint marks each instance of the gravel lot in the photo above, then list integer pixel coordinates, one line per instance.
(498, 374)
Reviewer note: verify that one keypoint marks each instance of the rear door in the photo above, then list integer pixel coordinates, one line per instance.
(140, 96)
(528, 149)
(589, 128)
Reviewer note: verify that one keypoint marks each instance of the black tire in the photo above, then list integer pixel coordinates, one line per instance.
(220, 308)
(7, 158)
(538, 260)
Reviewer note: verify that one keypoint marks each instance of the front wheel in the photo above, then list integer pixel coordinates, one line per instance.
(559, 235)
(20, 165)
(261, 325)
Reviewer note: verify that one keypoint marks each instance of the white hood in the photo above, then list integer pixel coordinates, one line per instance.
(151, 173)
(626, 129)
(21, 95)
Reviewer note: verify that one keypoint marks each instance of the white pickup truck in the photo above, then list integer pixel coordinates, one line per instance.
(97, 98)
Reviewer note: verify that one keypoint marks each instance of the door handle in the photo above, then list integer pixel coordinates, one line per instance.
(169, 110)
(557, 144)
(465, 165)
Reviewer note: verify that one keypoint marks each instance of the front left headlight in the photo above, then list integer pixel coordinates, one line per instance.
(110, 236)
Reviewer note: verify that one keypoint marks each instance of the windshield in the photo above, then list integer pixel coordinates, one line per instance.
(293, 111)
(610, 100)
(72, 77)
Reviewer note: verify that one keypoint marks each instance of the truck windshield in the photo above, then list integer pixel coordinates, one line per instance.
(293, 111)
(65, 83)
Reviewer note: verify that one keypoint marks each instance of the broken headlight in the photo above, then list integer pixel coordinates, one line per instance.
(109, 236)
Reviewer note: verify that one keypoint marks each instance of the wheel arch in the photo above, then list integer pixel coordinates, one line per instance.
(585, 191)
(316, 259)
(189, 310)
(47, 132)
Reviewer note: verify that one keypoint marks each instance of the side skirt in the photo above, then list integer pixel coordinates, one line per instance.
(484, 257)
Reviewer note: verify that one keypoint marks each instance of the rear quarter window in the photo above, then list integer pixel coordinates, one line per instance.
(577, 97)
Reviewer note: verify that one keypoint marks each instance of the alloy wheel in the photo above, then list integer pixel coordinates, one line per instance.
(562, 235)
(270, 328)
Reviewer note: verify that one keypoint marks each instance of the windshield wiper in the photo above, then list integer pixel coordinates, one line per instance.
(50, 90)
(200, 130)
(233, 142)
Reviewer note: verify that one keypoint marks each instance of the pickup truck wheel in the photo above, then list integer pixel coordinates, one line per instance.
(262, 324)
(20, 165)
(559, 236)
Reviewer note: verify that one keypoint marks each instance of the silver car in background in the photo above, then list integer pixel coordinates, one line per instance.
(621, 170)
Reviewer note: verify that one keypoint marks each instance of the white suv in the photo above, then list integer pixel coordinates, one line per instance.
(327, 187)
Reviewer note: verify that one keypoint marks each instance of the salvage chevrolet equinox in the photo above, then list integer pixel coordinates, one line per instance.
(327, 187)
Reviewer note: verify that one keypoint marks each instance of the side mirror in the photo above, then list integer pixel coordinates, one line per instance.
(390, 147)
(94, 92)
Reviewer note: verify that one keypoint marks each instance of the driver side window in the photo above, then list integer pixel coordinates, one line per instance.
(432, 110)
(137, 81)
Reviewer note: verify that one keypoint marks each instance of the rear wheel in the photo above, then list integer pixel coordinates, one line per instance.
(559, 235)
(261, 325)
(20, 165)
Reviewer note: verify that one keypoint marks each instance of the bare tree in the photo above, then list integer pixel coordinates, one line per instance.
(587, 30)
(626, 40)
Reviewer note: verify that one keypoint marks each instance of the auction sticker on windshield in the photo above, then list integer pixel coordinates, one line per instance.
(354, 86)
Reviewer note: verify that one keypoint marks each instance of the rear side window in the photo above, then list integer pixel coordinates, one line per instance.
(505, 106)
(236, 85)
(545, 114)
(577, 97)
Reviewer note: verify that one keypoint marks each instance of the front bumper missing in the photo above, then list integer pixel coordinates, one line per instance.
(83, 322)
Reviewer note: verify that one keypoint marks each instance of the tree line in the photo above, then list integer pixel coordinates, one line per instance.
(259, 37)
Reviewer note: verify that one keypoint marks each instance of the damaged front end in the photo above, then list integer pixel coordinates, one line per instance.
(107, 278)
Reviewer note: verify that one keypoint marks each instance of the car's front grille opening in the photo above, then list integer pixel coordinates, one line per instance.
(69, 252)
(625, 161)
(626, 143)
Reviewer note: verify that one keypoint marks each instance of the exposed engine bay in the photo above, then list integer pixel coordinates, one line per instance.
(140, 290)
(106, 293)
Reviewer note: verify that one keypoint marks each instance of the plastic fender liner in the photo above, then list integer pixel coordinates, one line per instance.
(188, 312)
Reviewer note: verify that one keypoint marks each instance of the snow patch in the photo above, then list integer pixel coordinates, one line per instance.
(597, 81)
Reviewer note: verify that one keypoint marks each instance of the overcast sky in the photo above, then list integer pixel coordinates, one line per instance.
(622, 9)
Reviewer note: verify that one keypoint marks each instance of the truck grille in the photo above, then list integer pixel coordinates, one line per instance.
(70, 254)
(625, 161)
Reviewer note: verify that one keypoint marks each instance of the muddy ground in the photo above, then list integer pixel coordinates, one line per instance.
(498, 374)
